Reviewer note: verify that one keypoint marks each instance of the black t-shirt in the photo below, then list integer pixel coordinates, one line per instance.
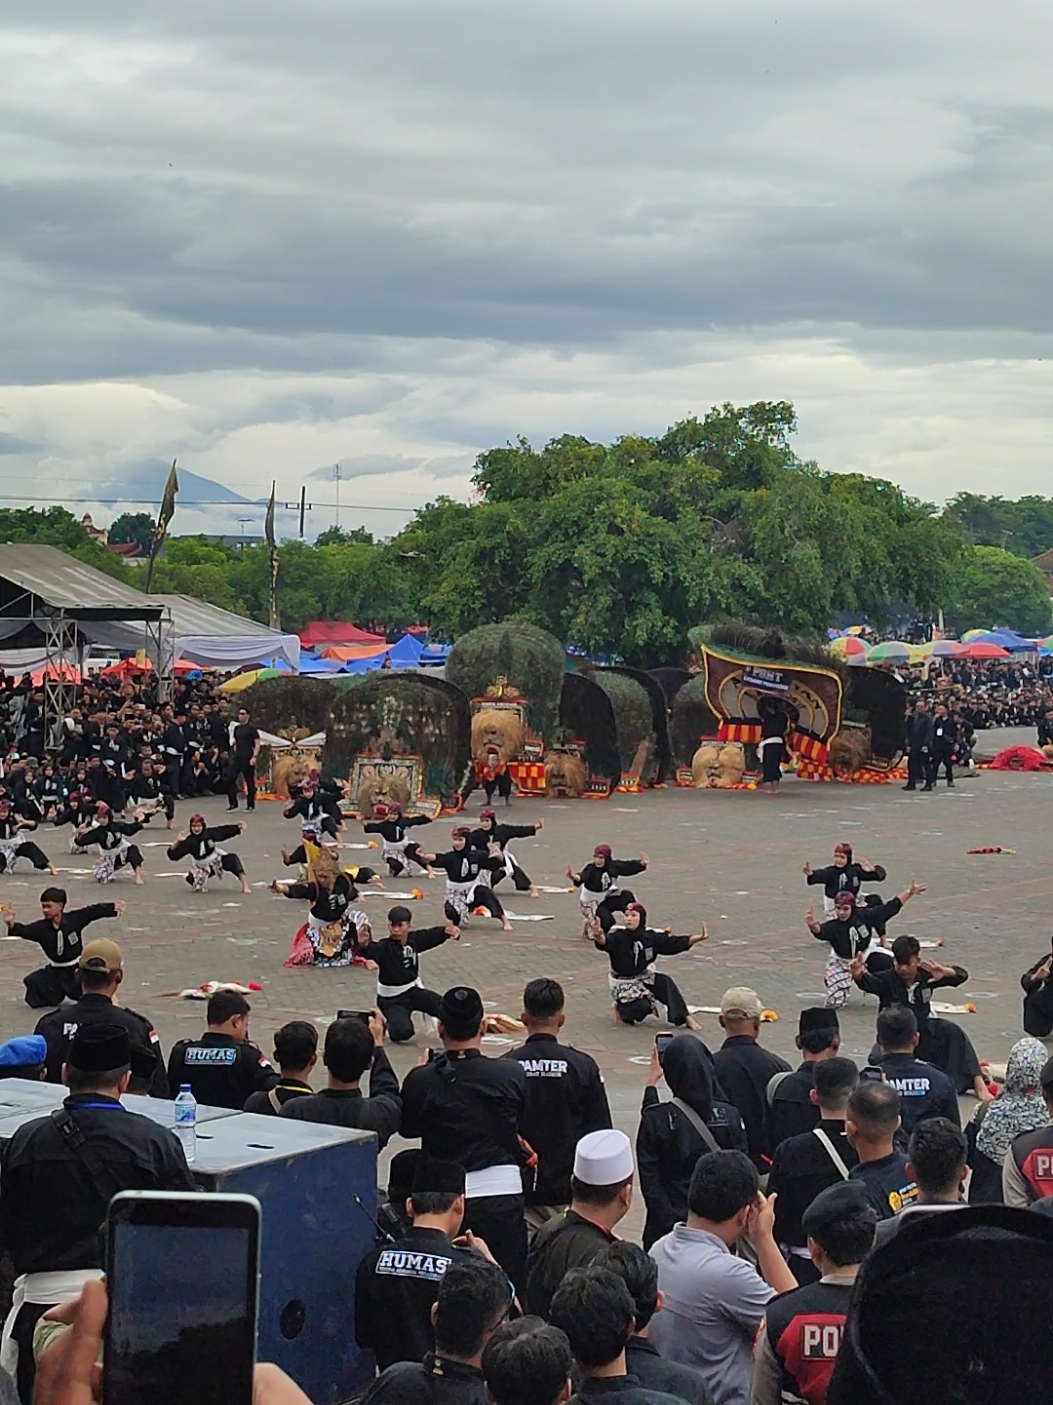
(802, 1168)
(888, 1186)
(59, 1026)
(245, 738)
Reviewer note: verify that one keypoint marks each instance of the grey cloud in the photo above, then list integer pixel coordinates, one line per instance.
(12, 444)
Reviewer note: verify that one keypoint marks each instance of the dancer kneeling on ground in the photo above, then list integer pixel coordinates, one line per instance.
(59, 934)
(111, 837)
(14, 845)
(396, 957)
(636, 988)
(911, 981)
(465, 889)
(600, 897)
(490, 832)
(400, 853)
(206, 861)
(334, 925)
(851, 934)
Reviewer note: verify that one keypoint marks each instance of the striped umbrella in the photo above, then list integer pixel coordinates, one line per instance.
(942, 649)
(847, 646)
(985, 651)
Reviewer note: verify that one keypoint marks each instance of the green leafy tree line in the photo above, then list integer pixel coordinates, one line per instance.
(620, 548)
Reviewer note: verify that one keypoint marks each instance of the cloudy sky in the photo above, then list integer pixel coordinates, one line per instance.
(269, 237)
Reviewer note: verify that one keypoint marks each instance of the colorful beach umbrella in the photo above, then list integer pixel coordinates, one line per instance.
(985, 651)
(847, 646)
(241, 681)
(891, 651)
(942, 649)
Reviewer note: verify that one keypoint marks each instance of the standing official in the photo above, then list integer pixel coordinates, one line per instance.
(222, 1067)
(565, 1098)
(944, 740)
(244, 748)
(924, 1090)
(57, 1176)
(60, 935)
(469, 1109)
(919, 746)
(871, 1124)
(744, 1069)
(101, 971)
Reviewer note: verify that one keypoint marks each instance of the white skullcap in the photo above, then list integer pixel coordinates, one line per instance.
(603, 1158)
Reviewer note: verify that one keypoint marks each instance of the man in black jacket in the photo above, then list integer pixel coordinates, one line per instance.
(924, 1090)
(919, 746)
(295, 1053)
(101, 971)
(791, 1107)
(474, 1299)
(55, 1196)
(352, 1047)
(944, 740)
(745, 1069)
(222, 1066)
(565, 1098)
(469, 1109)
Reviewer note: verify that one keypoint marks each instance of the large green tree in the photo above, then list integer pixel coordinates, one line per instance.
(138, 527)
(993, 588)
(1023, 526)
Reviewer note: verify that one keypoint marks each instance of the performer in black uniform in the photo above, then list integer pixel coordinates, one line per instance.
(465, 889)
(148, 794)
(317, 804)
(600, 895)
(772, 745)
(396, 958)
(851, 933)
(1037, 985)
(206, 861)
(490, 832)
(636, 988)
(112, 837)
(844, 872)
(13, 843)
(59, 934)
(398, 852)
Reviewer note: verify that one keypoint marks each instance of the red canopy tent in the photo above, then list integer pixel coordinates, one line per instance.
(320, 633)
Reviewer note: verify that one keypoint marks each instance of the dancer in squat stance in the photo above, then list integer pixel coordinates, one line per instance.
(490, 832)
(600, 897)
(14, 845)
(844, 872)
(399, 852)
(59, 934)
(636, 988)
(465, 888)
(396, 958)
(851, 933)
(198, 844)
(317, 805)
(111, 837)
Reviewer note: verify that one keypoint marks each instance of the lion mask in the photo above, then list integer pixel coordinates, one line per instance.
(497, 736)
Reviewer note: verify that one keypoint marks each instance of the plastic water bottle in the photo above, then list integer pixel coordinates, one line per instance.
(186, 1121)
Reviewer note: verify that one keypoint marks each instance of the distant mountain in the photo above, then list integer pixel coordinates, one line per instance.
(144, 483)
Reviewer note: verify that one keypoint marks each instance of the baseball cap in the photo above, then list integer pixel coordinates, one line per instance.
(101, 955)
(742, 1001)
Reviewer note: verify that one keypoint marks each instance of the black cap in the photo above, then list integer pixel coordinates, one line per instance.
(817, 1017)
(401, 1173)
(461, 1006)
(97, 1048)
(829, 1208)
(431, 1177)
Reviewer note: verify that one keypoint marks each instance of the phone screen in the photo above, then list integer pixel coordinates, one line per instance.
(364, 1015)
(182, 1286)
(662, 1043)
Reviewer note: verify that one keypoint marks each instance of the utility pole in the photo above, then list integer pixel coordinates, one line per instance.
(336, 480)
(303, 506)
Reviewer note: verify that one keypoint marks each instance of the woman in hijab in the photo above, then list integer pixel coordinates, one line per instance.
(1019, 1108)
(673, 1135)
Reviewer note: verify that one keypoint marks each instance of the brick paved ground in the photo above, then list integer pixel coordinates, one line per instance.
(733, 859)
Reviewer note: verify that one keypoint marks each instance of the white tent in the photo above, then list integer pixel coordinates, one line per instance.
(204, 634)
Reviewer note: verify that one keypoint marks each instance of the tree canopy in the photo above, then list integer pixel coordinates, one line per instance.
(619, 549)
